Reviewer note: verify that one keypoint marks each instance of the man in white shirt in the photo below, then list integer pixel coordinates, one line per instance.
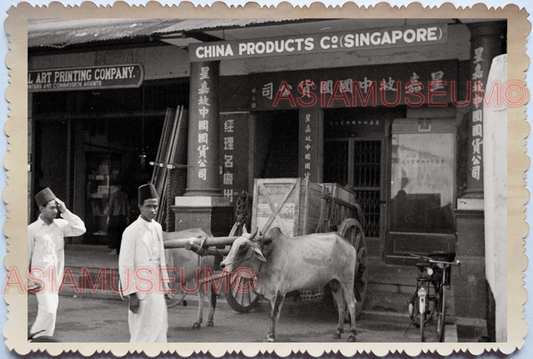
(46, 257)
(142, 255)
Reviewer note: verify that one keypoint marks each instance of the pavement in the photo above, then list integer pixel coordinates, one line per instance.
(106, 306)
(86, 319)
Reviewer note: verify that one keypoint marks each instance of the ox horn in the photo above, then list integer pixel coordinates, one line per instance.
(252, 236)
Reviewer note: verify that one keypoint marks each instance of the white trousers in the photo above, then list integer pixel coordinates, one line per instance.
(150, 323)
(46, 314)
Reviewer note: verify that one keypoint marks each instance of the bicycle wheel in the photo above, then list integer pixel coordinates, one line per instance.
(424, 312)
(422, 326)
(414, 310)
(441, 314)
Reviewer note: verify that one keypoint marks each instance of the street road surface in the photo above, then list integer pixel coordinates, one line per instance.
(85, 319)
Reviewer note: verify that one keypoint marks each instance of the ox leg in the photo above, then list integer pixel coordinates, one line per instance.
(212, 307)
(339, 299)
(276, 304)
(349, 297)
(199, 317)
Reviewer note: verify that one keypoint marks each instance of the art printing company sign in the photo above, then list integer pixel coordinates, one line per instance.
(321, 43)
(86, 78)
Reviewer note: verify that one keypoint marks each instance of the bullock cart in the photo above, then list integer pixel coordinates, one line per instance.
(298, 207)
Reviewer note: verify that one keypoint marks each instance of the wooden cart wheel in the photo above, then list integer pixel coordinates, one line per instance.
(239, 299)
(176, 299)
(178, 295)
(352, 230)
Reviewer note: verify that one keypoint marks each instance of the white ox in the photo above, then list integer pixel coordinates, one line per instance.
(188, 261)
(283, 264)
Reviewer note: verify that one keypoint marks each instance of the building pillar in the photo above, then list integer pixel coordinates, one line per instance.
(469, 284)
(202, 205)
(487, 41)
(202, 176)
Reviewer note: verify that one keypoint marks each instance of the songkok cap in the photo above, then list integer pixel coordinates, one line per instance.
(44, 196)
(147, 191)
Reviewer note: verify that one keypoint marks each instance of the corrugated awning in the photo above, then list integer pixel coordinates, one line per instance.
(60, 33)
(213, 24)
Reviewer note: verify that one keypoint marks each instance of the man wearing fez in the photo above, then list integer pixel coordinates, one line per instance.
(141, 259)
(46, 257)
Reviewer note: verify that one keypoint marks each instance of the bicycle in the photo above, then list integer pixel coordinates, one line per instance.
(434, 273)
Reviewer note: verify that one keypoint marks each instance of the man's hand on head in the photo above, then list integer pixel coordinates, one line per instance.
(60, 205)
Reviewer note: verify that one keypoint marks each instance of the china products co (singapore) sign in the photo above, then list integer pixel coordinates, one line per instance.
(321, 43)
(86, 78)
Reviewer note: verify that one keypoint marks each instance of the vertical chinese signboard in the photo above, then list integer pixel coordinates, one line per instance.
(202, 178)
(234, 129)
(309, 152)
(476, 159)
(486, 43)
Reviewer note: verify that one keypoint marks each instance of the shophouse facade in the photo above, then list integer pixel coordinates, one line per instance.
(382, 107)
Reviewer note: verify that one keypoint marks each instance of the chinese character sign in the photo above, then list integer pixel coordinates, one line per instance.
(234, 145)
(203, 128)
(308, 144)
(412, 84)
(476, 142)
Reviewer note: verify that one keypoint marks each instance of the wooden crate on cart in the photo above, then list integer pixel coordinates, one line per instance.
(299, 207)
(292, 204)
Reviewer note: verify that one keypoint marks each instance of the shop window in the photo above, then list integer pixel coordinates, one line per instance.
(422, 178)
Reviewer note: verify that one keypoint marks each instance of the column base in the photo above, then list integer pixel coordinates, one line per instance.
(211, 214)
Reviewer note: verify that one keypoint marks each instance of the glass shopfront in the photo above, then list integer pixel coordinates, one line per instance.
(421, 187)
(422, 166)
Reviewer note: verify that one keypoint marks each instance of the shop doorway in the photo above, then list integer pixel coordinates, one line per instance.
(358, 164)
(355, 156)
(422, 191)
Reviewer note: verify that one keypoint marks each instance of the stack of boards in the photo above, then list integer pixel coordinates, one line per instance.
(172, 147)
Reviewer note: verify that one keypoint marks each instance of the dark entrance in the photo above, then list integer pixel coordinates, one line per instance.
(276, 144)
(356, 156)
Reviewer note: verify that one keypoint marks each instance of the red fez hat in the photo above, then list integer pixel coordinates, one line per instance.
(44, 196)
(147, 191)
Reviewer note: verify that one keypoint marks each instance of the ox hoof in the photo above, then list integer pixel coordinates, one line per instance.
(210, 323)
(196, 325)
(351, 338)
(336, 335)
(270, 339)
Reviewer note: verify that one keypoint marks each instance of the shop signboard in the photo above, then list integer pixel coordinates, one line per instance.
(86, 78)
(234, 168)
(352, 40)
(413, 84)
(309, 142)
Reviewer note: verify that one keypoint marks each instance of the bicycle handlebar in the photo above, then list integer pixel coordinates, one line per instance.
(431, 260)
